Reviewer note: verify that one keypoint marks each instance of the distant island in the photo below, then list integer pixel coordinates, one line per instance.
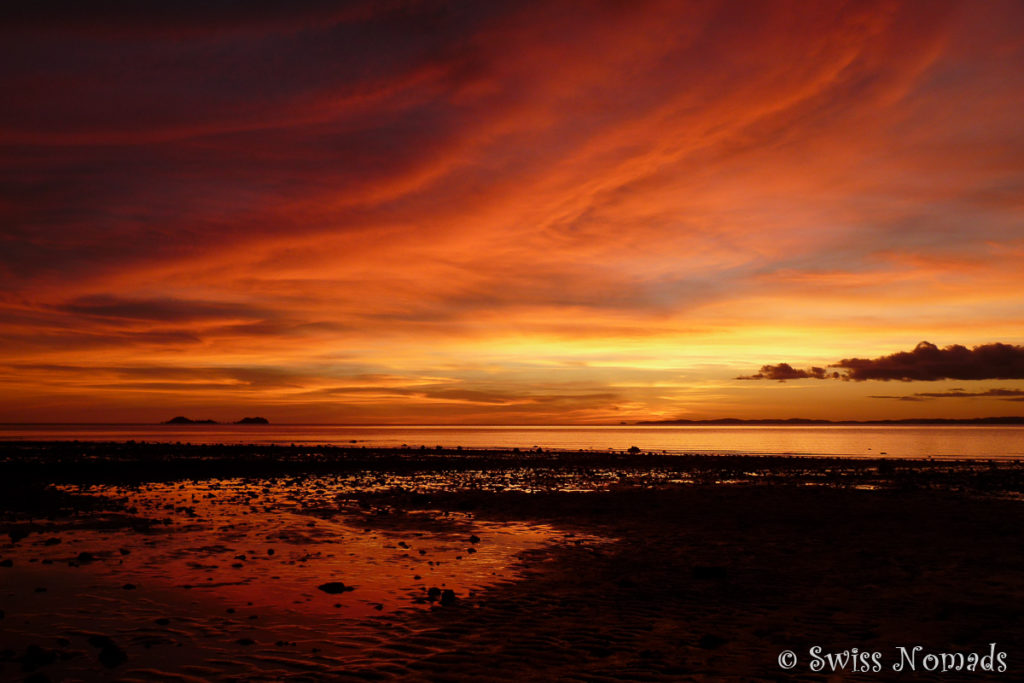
(797, 421)
(181, 420)
(186, 421)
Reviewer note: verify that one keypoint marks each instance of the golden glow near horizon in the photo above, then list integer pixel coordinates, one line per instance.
(508, 214)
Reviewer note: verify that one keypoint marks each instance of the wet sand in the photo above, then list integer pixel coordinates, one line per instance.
(144, 562)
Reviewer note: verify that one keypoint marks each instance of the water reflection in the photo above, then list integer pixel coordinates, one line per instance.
(204, 577)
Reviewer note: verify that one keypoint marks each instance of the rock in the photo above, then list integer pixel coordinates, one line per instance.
(334, 587)
(433, 593)
(52, 541)
(163, 621)
(129, 586)
(7, 563)
(706, 572)
(85, 557)
(710, 641)
(113, 656)
(448, 597)
(245, 642)
(474, 539)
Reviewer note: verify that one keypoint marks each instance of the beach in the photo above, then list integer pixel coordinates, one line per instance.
(163, 562)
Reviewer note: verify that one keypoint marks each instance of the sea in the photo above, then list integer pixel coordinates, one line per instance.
(853, 441)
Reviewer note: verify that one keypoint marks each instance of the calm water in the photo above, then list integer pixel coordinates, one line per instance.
(854, 441)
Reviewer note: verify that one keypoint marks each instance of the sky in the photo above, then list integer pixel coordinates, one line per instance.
(511, 212)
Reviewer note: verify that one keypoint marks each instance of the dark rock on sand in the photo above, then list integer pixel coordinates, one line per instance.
(52, 541)
(474, 539)
(7, 563)
(334, 587)
(433, 593)
(707, 572)
(448, 597)
(253, 421)
(85, 557)
(113, 656)
(245, 642)
(163, 621)
(710, 641)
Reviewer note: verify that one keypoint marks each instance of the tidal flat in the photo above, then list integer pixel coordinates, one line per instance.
(171, 562)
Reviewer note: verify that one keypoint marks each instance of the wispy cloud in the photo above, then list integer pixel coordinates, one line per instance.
(473, 191)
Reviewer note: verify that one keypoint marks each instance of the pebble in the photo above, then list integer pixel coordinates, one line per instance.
(333, 587)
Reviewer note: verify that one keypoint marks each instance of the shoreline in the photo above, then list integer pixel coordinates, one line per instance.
(44, 463)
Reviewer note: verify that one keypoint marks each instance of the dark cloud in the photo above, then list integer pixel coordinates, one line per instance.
(926, 363)
(163, 310)
(908, 399)
(1001, 394)
(784, 371)
(251, 377)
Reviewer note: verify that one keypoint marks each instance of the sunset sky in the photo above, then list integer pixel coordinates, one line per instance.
(511, 212)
